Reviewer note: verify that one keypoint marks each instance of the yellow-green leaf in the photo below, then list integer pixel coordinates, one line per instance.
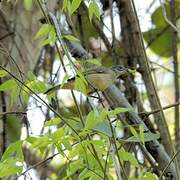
(52, 122)
(117, 111)
(94, 61)
(70, 38)
(133, 131)
(44, 30)
(90, 120)
(80, 85)
(28, 4)
(94, 10)
(3, 73)
(141, 133)
(8, 85)
(74, 6)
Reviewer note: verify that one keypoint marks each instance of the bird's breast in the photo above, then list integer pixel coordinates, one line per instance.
(100, 81)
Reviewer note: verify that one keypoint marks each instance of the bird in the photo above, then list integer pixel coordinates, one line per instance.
(98, 78)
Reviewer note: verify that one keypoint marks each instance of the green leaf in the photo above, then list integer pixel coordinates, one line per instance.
(89, 29)
(141, 133)
(28, 4)
(90, 120)
(160, 36)
(103, 115)
(133, 131)
(31, 75)
(81, 76)
(58, 135)
(40, 143)
(65, 78)
(126, 156)
(157, 18)
(165, 39)
(13, 129)
(94, 10)
(65, 5)
(52, 122)
(151, 136)
(148, 176)
(132, 178)
(80, 85)
(104, 128)
(67, 144)
(74, 152)
(3, 73)
(83, 173)
(37, 86)
(71, 38)
(94, 142)
(74, 167)
(8, 167)
(14, 149)
(8, 85)
(52, 36)
(43, 31)
(44, 42)
(94, 61)
(117, 111)
(147, 137)
(74, 6)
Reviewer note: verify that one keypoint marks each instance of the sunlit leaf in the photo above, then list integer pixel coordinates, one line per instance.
(28, 4)
(67, 145)
(9, 167)
(141, 133)
(74, 6)
(65, 78)
(36, 86)
(90, 120)
(94, 10)
(43, 31)
(58, 135)
(80, 85)
(8, 85)
(81, 76)
(126, 156)
(14, 150)
(148, 176)
(147, 137)
(157, 17)
(117, 111)
(133, 131)
(70, 38)
(165, 39)
(65, 5)
(3, 73)
(52, 122)
(94, 61)
(31, 75)
(102, 115)
(74, 166)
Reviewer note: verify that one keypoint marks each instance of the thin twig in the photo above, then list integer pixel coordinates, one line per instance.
(39, 164)
(163, 67)
(43, 101)
(157, 110)
(166, 18)
(13, 112)
(6, 35)
(164, 170)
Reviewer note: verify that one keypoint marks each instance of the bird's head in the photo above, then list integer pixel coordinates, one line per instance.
(120, 70)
